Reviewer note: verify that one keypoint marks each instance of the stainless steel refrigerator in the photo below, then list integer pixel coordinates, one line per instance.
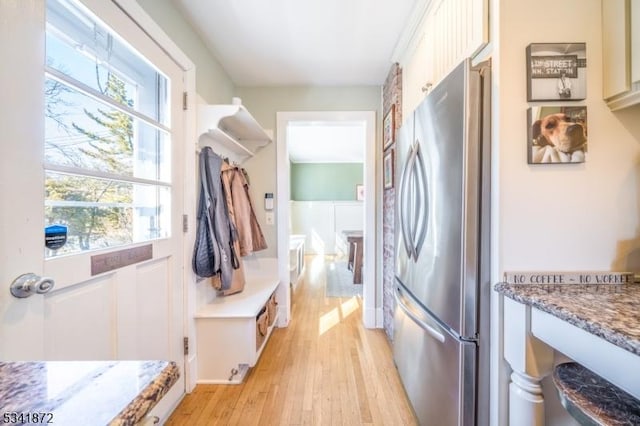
(442, 288)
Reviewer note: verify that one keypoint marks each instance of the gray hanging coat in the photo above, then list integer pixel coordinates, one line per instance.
(212, 195)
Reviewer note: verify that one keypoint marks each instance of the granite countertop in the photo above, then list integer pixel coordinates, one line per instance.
(591, 399)
(611, 312)
(82, 392)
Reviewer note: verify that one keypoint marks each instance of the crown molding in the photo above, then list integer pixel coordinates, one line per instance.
(414, 24)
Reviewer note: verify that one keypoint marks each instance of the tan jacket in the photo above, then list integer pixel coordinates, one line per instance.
(236, 189)
(238, 279)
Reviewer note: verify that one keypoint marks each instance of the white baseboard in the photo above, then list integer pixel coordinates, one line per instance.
(371, 318)
(192, 372)
(379, 318)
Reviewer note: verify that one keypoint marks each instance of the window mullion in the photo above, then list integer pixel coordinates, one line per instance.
(70, 170)
(95, 94)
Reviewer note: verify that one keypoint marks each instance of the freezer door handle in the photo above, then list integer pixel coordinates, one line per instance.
(405, 203)
(402, 303)
(414, 202)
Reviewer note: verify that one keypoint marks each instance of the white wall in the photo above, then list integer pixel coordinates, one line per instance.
(212, 81)
(265, 102)
(560, 217)
(581, 216)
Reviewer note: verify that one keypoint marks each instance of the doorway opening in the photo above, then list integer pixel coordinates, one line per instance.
(309, 142)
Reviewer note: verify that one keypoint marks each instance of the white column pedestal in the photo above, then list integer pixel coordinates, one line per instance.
(526, 404)
(531, 360)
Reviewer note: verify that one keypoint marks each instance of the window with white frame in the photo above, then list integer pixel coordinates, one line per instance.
(107, 149)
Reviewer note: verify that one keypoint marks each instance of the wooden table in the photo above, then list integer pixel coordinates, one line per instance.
(355, 238)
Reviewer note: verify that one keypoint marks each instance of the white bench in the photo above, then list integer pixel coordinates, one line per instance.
(226, 327)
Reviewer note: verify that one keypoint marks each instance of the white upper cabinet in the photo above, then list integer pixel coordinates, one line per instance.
(415, 74)
(443, 33)
(621, 52)
(231, 131)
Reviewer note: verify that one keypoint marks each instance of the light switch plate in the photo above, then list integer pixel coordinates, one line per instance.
(269, 218)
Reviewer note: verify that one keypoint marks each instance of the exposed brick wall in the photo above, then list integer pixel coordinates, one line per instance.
(391, 95)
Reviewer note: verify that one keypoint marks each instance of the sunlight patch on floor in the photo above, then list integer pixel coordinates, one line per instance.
(329, 320)
(350, 306)
(336, 315)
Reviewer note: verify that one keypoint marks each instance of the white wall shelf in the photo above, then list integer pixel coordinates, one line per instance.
(231, 131)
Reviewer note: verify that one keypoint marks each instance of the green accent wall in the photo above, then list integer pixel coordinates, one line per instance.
(325, 181)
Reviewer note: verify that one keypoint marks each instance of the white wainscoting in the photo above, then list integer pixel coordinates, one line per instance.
(323, 221)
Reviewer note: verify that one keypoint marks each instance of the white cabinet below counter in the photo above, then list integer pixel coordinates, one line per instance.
(621, 53)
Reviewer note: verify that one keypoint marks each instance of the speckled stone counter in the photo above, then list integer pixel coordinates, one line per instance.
(611, 312)
(82, 392)
(592, 400)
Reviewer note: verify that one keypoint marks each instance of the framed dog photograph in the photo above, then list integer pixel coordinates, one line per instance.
(556, 72)
(557, 134)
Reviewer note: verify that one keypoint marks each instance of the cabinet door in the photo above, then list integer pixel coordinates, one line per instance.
(450, 31)
(414, 72)
(615, 44)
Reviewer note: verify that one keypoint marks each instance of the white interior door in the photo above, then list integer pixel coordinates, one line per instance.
(121, 298)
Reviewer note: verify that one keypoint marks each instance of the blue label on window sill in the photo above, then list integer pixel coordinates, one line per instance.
(55, 236)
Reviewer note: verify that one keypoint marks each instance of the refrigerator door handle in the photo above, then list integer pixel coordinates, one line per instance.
(416, 191)
(422, 210)
(405, 181)
(400, 300)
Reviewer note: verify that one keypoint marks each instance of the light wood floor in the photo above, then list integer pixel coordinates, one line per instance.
(324, 369)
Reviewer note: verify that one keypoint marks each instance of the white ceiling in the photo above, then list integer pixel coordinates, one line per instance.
(326, 142)
(300, 42)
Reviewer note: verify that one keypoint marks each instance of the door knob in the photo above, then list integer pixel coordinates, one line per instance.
(27, 284)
